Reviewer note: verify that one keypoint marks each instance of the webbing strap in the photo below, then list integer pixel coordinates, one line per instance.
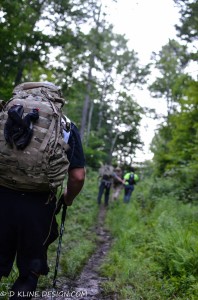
(52, 125)
(53, 106)
(48, 135)
(57, 124)
(57, 133)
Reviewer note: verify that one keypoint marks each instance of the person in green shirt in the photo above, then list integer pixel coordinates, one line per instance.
(130, 179)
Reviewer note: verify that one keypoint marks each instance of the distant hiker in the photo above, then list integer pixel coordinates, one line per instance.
(117, 185)
(106, 174)
(38, 147)
(130, 179)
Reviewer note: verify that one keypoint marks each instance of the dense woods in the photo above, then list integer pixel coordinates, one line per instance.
(72, 44)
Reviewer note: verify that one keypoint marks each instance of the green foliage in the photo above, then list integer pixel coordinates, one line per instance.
(170, 62)
(189, 26)
(99, 73)
(154, 253)
(94, 154)
(175, 145)
(22, 44)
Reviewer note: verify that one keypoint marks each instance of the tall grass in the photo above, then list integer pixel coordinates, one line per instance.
(155, 249)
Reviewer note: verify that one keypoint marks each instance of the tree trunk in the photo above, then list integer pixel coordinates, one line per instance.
(86, 104)
(102, 97)
(19, 72)
(114, 140)
(89, 81)
(89, 123)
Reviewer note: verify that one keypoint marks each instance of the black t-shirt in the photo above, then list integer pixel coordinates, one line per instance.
(75, 153)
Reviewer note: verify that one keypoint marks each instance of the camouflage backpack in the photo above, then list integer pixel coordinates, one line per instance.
(41, 164)
(106, 172)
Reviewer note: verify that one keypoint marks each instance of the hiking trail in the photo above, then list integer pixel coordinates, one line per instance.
(87, 285)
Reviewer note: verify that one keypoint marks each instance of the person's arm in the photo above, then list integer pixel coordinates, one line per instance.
(75, 182)
(118, 178)
(76, 172)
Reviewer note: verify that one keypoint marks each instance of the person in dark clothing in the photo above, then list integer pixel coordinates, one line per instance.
(106, 175)
(28, 223)
(104, 188)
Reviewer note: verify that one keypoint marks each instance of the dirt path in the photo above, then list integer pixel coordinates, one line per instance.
(88, 285)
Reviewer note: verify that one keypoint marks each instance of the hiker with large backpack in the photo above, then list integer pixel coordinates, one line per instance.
(39, 146)
(106, 175)
(130, 179)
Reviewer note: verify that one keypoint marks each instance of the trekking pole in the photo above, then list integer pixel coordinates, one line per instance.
(59, 243)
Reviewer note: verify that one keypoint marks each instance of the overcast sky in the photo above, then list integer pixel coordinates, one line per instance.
(148, 24)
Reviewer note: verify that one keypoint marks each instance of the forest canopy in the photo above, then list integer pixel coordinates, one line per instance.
(72, 44)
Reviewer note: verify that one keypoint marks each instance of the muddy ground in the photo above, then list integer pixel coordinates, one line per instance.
(88, 285)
